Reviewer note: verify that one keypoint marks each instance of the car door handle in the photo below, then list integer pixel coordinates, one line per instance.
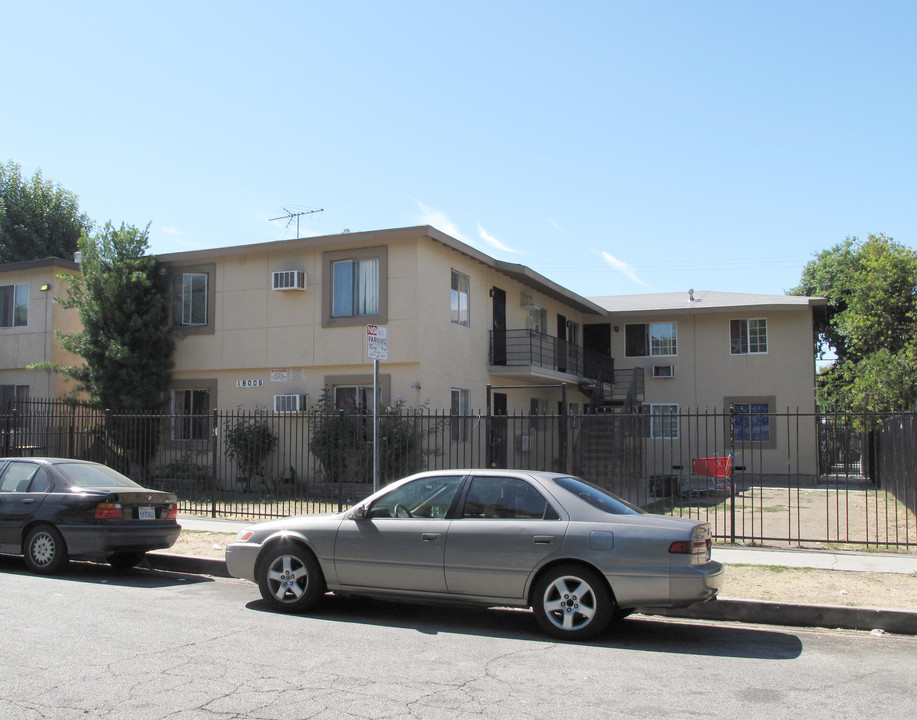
(28, 501)
(544, 539)
(429, 537)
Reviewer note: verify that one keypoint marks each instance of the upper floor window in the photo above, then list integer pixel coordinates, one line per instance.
(650, 339)
(194, 299)
(14, 305)
(748, 336)
(354, 287)
(461, 286)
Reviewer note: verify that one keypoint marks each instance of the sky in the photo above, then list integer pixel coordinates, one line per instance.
(613, 147)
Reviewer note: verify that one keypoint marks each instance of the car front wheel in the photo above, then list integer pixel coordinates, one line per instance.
(290, 579)
(571, 602)
(45, 550)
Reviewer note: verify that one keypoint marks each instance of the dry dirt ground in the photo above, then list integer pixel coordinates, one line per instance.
(747, 582)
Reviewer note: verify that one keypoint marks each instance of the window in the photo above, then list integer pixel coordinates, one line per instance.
(14, 305)
(752, 422)
(664, 421)
(598, 497)
(461, 422)
(500, 498)
(194, 297)
(360, 396)
(427, 497)
(191, 414)
(538, 319)
(650, 339)
(12, 394)
(748, 336)
(461, 286)
(354, 287)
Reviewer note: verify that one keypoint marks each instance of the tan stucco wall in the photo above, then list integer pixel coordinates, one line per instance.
(36, 342)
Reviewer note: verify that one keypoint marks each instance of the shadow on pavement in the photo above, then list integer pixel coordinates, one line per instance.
(644, 633)
(103, 574)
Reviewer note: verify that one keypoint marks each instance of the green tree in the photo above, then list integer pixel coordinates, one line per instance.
(249, 443)
(126, 341)
(38, 218)
(869, 323)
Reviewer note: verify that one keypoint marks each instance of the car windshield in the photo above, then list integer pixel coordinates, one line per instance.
(94, 476)
(598, 497)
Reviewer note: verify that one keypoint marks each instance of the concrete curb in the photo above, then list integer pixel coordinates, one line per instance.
(763, 612)
(903, 622)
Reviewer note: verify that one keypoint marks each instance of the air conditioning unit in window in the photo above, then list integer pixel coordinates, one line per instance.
(289, 280)
(291, 403)
(663, 371)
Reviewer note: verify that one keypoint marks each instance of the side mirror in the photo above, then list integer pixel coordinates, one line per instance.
(359, 512)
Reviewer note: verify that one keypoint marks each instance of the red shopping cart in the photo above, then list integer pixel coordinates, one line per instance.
(708, 475)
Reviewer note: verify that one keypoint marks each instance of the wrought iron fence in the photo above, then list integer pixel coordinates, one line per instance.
(836, 480)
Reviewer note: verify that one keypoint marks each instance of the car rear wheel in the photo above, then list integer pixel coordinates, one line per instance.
(290, 579)
(126, 560)
(571, 602)
(45, 550)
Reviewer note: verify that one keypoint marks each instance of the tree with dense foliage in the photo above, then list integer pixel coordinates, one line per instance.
(869, 323)
(122, 297)
(38, 218)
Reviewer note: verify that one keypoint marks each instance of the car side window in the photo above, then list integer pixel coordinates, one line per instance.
(40, 483)
(428, 497)
(506, 498)
(17, 476)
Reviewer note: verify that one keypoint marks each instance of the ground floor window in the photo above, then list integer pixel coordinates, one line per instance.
(461, 423)
(664, 421)
(752, 422)
(191, 408)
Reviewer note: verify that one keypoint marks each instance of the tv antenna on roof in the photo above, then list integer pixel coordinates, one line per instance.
(290, 215)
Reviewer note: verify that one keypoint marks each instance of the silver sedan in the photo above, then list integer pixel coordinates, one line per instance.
(578, 555)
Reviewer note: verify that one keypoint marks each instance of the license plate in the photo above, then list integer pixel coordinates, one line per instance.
(146, 513)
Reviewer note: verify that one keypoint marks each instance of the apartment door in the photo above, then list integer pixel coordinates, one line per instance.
(498, 340)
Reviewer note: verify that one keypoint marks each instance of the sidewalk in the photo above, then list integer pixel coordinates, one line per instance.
(748, 611)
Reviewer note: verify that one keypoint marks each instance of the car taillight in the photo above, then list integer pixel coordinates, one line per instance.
(691, 547)
(109, 511)
(172, 513)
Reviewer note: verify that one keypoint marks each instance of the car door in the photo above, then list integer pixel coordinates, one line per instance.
(399, 544)
(504, 530)
(23, 488)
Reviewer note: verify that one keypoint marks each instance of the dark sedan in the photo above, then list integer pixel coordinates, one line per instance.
(52, 510)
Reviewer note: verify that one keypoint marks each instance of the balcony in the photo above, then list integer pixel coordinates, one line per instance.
(528, 352)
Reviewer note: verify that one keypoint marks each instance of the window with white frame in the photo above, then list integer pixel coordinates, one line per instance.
(461, 422)
(752, 422)
(14, 305)
(651, 339)
(748, 336)
(11, 394)
(663, 421)
(194, 298)
(461, 286)
(191, 414)
(538, 319)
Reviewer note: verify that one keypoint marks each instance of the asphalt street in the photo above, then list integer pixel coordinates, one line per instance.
(93, 643)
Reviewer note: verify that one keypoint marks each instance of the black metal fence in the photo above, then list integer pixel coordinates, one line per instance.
(785, 478)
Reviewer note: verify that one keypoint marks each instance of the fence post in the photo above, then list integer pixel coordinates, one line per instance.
(213, 464)
(732, 485)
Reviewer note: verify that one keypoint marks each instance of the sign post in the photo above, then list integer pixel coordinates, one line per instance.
(376, 350)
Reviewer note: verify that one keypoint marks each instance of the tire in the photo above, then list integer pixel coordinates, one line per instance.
(45, 550)
(290, 578)
(572, 602)
(126, 560)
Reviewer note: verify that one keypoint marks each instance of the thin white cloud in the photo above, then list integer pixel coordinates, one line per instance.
(554, 224)
(171, 231)
(439, 220)
(493, 242)
(621, 267)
